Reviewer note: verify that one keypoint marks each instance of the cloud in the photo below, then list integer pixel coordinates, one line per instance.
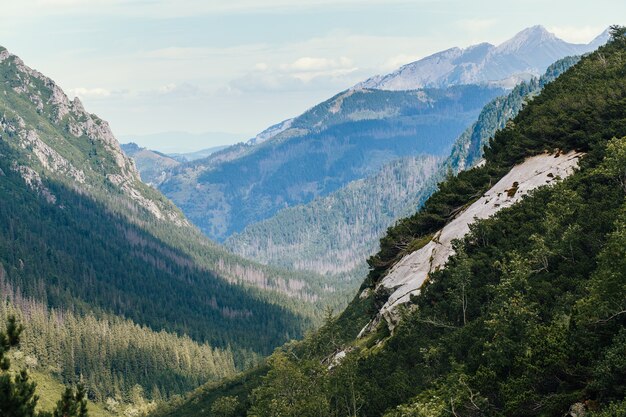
(167, 91)
(397, 61)
(303, 73)
(581, 34)
(83, 92)
(308, 63)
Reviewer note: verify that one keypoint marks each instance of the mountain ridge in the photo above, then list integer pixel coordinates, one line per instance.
(526, 54)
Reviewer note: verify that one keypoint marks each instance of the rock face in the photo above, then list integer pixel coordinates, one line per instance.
(526, 54)
(60, 139)
(409, 274)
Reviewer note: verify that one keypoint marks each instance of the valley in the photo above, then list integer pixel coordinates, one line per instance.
(444, 239)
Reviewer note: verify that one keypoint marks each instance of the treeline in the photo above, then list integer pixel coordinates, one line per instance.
(110, 356)
(468, 148)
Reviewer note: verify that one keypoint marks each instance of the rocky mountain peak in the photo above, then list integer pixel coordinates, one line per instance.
(526, 54)
(531, 37)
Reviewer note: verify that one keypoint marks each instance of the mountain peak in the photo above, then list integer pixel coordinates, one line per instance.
(528, 38)
(526, 54)
(601, 39)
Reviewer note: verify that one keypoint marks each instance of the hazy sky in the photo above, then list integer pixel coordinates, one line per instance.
(241, 65)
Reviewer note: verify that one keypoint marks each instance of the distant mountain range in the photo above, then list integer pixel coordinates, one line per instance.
(525, 55)
(420, 109)
(343, 139)
(336, 233)
(154, 165)
(175, 142)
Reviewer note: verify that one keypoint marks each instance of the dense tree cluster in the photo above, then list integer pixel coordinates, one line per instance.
(111, 356)
(17, 392)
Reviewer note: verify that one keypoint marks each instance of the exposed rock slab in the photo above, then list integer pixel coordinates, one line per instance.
(409, 274)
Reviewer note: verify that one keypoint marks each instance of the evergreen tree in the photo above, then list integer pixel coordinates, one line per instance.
(17, 394)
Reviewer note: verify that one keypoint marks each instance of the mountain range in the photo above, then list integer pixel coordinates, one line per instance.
(501, 292)
(336, 233)
(247, 195)
(525, 55)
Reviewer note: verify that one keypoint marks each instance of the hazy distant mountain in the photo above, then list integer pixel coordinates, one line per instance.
(192, 156)
(151, 165)
(526, 54)
(345, 138)
(183, 142)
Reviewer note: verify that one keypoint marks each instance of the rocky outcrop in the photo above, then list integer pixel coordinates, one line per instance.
(49, 158)
(53, 147)
(407, 277)
(33, 180)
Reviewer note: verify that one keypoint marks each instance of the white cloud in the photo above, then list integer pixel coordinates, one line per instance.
(301, 74)
(581, 34)
(83, 92)
(308, 63)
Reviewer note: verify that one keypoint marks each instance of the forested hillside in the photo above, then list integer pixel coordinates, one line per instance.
(92, 251)
(334, 234)
(527, 317)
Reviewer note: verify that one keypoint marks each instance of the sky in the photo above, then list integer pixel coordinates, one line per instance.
(239, 66)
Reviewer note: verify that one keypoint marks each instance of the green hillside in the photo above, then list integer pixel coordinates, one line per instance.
(528, 316)
(92, 252)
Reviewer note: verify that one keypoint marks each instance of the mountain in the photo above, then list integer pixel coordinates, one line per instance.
(109, 274)
(152, 165)
(526, 54)
(336, 233)
(502, 296)
(182, 142)
(346, 138)
(201, 154)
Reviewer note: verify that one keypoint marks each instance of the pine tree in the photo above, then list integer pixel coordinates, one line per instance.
(17, 394)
